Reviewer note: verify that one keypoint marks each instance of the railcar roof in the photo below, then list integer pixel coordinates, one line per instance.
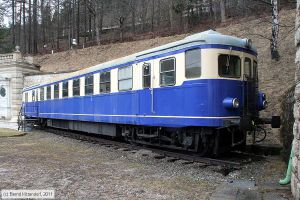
(206, 37)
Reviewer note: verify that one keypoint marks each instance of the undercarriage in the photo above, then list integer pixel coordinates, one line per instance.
(201, 140)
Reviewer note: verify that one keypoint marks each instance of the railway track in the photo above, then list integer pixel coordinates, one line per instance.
(233, 161)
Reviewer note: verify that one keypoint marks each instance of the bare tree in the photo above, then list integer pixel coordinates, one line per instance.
(223, 11)
(275, 30)
(13, 23)
(29, 27)
(35, 26)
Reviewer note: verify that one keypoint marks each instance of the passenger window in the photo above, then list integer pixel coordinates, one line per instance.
(229, 66)
(247, 67)
(167, 72)
(65, 89)
(56, 91)
(89, 85)
(105, 82)
(76, 87)
(255, 73)
(125, 78)
(146, 75)
(26, 97)
(48, 92)
(33, 95)
(193, 63)
(42, 94)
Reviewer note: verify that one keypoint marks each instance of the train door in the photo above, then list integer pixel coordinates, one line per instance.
(4, 99)
(249, 88)
(147, 96)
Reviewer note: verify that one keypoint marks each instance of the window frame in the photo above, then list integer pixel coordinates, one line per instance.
(232, 77)
(74, 80)
(125, 79)
(105, 82)
(64, 89)
(174, 58)
(185, 74)
(255, 70)
(26, 97)
(42, 94)
(251, 67)
(56, 92)
(48, 92)
(33, 96)
(88, 85)
(150, 75)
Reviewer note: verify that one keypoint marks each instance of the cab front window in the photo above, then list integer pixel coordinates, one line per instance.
(229, 66)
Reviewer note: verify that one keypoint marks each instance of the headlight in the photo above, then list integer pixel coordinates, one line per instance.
(261, 101)
(248, 43)
(235, 103)
(265, 104)
(231, 103)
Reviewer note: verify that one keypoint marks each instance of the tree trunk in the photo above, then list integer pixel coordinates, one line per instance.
(90, 26)
(171, 14)
(69, 25)
(78, 24)
(275, 30)
(152, 16)
(223, 12)
(35, 35)
(24, 29)
(58, 24)
(20, 25)
(97, 20)
(158, 14)
(43, 22)
(29, 27)
(85, 25)
(13, 23)
(133, 16)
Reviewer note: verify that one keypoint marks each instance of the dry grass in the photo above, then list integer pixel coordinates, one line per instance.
(5, 132)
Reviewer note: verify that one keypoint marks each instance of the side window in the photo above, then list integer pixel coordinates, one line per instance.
(26, 96)
(146, 75)
(56, 91)
(33, 95)
(48, 92)
(247, 67)
(255, 73)
(229, 66)
(125, 78)
(89, 85)
(193, 63)
(42, 94)
(167, 72)
(76, 87)
(65, 89)
(105, 82)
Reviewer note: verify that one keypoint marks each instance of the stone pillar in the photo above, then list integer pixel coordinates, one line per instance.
(295, 181)
(13, 68)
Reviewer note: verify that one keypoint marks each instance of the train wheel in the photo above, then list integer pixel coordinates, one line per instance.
(205, 142)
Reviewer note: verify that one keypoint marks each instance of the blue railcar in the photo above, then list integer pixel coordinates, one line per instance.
(199, 94)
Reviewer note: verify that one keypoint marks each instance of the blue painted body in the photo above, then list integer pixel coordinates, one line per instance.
(194, 103)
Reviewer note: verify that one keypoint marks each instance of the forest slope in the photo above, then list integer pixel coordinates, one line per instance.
(275, 76)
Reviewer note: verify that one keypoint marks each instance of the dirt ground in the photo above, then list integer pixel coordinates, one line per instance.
(83, 170)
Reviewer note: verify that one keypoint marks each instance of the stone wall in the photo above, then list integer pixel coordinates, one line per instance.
(13, 68)
(33, 80)
(295, 181)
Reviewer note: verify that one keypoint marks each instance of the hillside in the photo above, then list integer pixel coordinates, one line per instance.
(275, 76)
